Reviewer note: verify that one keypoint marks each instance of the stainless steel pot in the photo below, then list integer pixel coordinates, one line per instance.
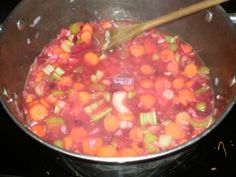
(34, 23)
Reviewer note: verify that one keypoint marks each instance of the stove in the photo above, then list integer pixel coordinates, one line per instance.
(21, 156)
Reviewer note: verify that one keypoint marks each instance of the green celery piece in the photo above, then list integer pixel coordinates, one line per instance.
(107, 96)
(98, 87)
(149, 140)
(203, 123)
(94, 78)
(202, 90)
(48, 69)
(55, 76)
(147, 118)
(54, 120)
(201, 106)
(74, 28)
(131, 94)
(101, 114)
(66, 45)
(90, 108)
(173, 47)
(59, 71)
(58, 93)
(204, 70)
(58, 143)
(170, 39)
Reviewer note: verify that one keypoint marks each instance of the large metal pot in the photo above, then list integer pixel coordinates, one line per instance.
(34, 23)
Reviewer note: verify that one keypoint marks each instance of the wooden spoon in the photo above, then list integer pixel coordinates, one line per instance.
(116, 36)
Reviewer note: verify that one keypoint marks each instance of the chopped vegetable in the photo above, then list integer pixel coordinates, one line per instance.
(55, 121)
(173, 47)
(60, 105)
(149, 142)
(92, 107)
(137, 50)
(202, 123)
(111, 123)
(201, 106)
(66, 45)
(167, 55)
(136, 134)
(91, 58)
(83, 97)
(58, 143)
(107, 96)
(39, 130)
(183, 118)
(118, 102)
(155, 57)
(204, 70)
(48, 69)
(147, 101)
(128, 152)
(175, 131)
(78, 134)
(92, 145)
(131, 94)
(76, 27)
(178, 83)
(107, 151)
(170, 39)
(165, 141)
(202, 90)
(148, 118)
(147, 69)
(86, 36)
(190, 70)
(38, 112)
(97, 77)
(58, 93)
(102, 114)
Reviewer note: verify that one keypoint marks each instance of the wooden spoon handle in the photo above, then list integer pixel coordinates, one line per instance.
(180, 13)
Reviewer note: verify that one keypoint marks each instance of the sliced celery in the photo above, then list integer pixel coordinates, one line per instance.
(202, 90)
(90, 108)
(148, 118)
(97, 77)
(102, 114)
(173, 46)
(59, 71)
(201, 106)
(203, 123)
(107, 96)
(54, 121)
(66, 45)
(48, 69)
(74, 28)
(149, 140)
(131, 94)
(58, 143)
(165, 140)
(170, 39)
(58, 93)
(204, 70)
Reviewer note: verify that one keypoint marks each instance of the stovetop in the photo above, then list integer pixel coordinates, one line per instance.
(21, 156)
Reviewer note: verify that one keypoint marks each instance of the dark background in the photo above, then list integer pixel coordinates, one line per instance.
(21, 156)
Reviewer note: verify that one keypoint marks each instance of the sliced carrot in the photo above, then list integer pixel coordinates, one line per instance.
(173, 67)
(88, 28)
(128, 152)
(91, 58)
(51, 99)
(190, 83)
(167, 55)
(183, 118)
(190, 70)
(136, 147)
(147, 69)
(127, 117)
(111, 123)
(175, 131)
(147, 101)
(78, 134)
(162, 83)
(67, 142)
(137, 50)
(78, 86)
(146, 83)
(107, 151)
(38, 112)
(29, 98)
(106, 24)
(83, 97)
(149, 46)
(91, 145)
(136, 134)
(86, 36)
(186, 48)
(65, 81)
(185, 96)
(178, 83)
(39, 130)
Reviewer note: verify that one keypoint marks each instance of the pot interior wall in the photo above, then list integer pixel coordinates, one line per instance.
(41, 20)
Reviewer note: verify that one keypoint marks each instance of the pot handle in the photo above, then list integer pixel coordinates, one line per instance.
(232, 17)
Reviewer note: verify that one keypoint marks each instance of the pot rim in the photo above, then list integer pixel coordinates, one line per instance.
(118, 160)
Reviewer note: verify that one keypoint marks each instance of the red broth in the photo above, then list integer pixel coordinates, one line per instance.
(150, 94)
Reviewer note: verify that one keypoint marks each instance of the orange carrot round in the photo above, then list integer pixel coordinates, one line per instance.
(111, 123)
(147, 101)
(162, 83)
(91, 145)
(67, 142)
(185, 96)
(86, 36)
(128, 152)
(178, 83)
(183, 118)
(173, 67)
(88, 28)
(136, 134)
(146, 83)
(39, 130)
(91, 58)
(38, 112)
(107, 151)
(167, 55)
(190, 70)
(147, 69)
(83, 97)
(175, 131)
(78, 134)
(137, 50)
(65, 81)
